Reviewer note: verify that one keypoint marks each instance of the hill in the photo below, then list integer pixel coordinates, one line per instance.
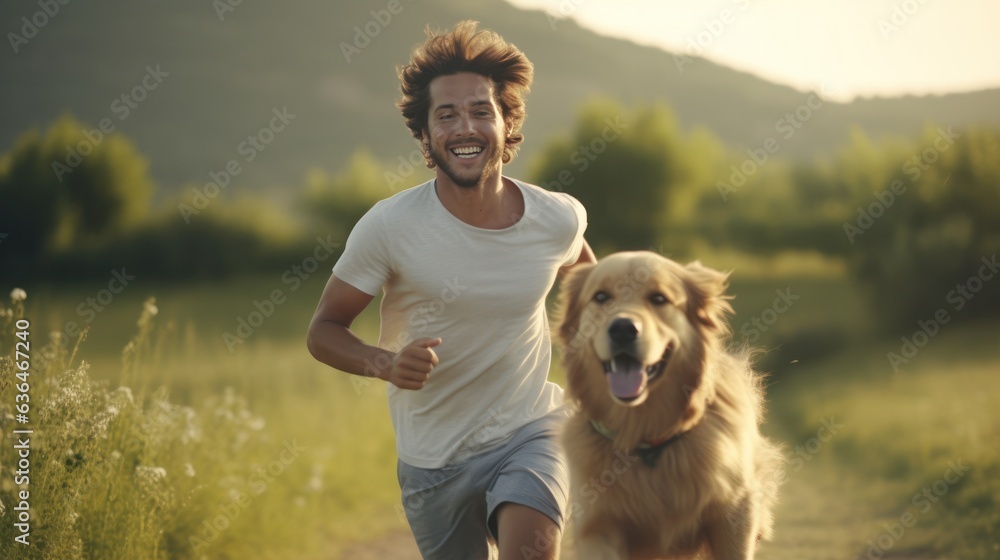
(227, 68)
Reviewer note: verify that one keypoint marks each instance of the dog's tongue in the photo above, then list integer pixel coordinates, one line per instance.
(627, 378)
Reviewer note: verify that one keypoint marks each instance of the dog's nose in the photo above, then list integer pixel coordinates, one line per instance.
(623, 331)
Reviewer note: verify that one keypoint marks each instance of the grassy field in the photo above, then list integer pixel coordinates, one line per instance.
(260, 452)
(913, 466)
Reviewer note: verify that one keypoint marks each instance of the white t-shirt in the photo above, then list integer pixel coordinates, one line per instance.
(482, 292)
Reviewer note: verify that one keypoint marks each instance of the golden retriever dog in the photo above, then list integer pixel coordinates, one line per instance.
(664, 440)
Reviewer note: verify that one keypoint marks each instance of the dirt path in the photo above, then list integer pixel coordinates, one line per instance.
(823, 515)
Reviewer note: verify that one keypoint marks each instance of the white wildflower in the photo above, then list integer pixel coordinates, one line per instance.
(256, 424)
(150, 479)
(100, 425)
(18, 295)
(152, 482)
(189, 469)
(122, 393)
(191, 433)
(115, 455)
(151, 474)
(150, 307)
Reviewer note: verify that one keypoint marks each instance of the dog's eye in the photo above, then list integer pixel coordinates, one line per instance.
(658, 299)
(601, 297)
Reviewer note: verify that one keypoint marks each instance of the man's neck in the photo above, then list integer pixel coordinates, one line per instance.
(495, 203)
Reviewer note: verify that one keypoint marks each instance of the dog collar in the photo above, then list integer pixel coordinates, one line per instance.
(648, 451)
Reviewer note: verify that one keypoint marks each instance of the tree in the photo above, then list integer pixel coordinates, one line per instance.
(929, 228)
(29, 202)
(74, 187)
(336, 203)
(624, 168)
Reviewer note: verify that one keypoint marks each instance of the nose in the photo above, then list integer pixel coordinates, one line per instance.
(464, 125)
(623, 331)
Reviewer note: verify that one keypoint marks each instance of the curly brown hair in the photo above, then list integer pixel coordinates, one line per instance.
(466, 49)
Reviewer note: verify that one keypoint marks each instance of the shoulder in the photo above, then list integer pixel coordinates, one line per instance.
(402, 204)
(559, 202)
(407, 199)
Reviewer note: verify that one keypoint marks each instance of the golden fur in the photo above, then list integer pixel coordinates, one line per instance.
(710, 492)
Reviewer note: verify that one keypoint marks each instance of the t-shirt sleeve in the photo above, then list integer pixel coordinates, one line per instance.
(365, 262)
(575, 237)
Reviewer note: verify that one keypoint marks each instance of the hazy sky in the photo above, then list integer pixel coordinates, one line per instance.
(853, 47)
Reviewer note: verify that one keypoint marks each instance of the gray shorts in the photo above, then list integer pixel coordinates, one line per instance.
(451, 510)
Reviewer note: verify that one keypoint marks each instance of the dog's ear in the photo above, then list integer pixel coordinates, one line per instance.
(708, 302)
(569, 307)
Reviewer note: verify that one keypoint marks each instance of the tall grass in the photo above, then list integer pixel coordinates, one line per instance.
(123, 473)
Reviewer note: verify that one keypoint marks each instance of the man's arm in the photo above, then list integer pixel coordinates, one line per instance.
(331, 341)
(586, 256)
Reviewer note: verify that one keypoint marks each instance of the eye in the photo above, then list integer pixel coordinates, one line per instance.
(601, 297)
(658, 299)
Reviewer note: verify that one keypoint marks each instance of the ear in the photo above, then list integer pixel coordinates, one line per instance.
(425, 147)
(569, 306)
(708, 302)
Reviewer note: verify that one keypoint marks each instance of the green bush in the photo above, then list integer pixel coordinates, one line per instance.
(934, 232)
(52, 197)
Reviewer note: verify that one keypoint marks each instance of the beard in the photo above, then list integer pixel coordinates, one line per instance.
(471, 178)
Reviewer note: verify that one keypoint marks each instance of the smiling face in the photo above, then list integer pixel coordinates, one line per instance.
(637, 322)
(641, 324)
(637, 309)
(465, 129)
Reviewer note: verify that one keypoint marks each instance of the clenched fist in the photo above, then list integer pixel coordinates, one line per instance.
(411, 367)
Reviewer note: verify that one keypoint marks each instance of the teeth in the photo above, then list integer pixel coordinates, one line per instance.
(467, 151)
(613, 367)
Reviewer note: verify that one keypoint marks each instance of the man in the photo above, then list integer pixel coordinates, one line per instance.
(465, 261)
